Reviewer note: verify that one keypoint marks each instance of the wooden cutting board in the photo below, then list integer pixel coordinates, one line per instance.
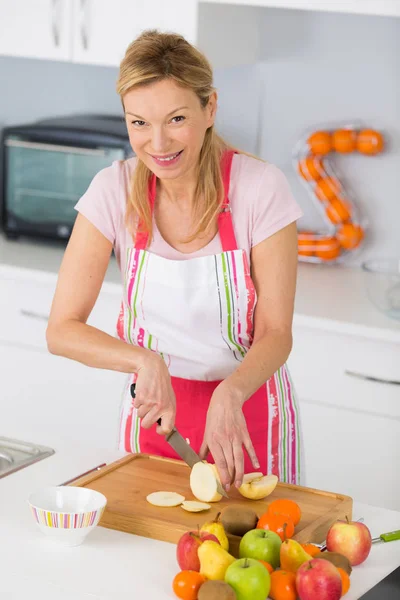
(128, 481)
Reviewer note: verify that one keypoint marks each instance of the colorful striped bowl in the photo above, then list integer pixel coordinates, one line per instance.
(67, 514)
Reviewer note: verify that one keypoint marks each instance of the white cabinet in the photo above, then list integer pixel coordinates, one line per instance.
(103, 29)
(349, 395)
(40, 29)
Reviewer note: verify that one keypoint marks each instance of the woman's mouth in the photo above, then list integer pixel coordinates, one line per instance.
(168, 159)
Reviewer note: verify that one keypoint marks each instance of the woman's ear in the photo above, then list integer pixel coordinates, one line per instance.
(211, 109)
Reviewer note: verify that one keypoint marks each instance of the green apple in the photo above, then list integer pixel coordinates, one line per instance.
(261, 544)
(249, 578)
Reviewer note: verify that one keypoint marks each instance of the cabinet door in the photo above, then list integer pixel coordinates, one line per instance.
(39, 29)
(55, 401)
(103, 29)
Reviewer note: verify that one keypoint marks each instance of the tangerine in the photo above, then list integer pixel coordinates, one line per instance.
(287, 508)
(311, 168)
(327, 248)
(344, 140)
(370, 142)
(345, 580)
(350, 235)
(327, 188)
(283, 586)
(338, 211)
(269, 567)
(186, 584)
(282, 525)
(311, 549)
(320, 142)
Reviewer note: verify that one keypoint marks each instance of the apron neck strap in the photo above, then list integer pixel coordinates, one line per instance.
(225, 225)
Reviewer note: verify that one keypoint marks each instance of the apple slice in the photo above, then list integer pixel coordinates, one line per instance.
(203, 482)
(256, 485)
(165, 499)
(193, 506)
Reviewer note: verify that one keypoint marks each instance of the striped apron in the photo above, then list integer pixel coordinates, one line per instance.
(198, 315)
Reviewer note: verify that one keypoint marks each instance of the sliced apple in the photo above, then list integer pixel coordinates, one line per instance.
(165, 499)
(203, 482)
(193, 506)
(256, 485)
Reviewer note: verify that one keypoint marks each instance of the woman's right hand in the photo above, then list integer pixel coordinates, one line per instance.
(155, 397)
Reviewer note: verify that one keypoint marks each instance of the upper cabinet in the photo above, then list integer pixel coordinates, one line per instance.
(102, 29)
(390, 8)
(40, 29)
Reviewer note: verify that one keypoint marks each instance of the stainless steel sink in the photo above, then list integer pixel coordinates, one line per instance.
(16, 455)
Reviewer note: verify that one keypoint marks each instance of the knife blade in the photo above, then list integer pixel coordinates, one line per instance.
(182, 448)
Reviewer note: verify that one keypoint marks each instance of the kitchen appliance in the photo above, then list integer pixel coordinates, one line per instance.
(49, 164)
(16, 455)
(182, 448)
(127, 482)
(387, 589)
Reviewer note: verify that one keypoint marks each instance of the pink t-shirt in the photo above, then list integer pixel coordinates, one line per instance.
(259, 193)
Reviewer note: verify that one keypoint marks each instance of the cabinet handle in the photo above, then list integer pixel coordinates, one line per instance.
(371, 378)
(33, 315)
(85, 23)
(55, 21)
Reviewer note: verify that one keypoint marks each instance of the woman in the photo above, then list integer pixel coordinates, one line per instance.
(206, 241)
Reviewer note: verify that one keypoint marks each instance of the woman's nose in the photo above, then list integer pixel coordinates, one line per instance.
(160, 140)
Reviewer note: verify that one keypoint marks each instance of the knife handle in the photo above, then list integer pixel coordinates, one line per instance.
(133, 394)
(391, 536)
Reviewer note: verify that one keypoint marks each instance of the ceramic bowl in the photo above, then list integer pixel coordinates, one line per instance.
(67, 514)
(382, 280)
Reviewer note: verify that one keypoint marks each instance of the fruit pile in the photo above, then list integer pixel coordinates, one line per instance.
(322, 182)
(270, 563)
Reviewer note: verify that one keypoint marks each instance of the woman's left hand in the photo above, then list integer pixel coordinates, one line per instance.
(225, 435)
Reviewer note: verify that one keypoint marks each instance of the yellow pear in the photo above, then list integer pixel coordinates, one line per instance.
(292, 555)
(218, 530)
(214, 560)
(256, 485)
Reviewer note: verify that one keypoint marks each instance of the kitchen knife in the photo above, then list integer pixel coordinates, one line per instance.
(182, 448)
(391, 536)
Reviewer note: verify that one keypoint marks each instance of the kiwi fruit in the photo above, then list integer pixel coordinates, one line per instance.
(238, 520)
(337, 559)
(216, 590)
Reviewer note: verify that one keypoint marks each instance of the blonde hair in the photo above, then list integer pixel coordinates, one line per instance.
(152, 57)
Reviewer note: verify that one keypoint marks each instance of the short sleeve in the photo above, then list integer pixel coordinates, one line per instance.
(100, 203)
(274, 205)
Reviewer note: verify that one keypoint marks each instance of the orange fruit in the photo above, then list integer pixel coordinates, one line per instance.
(282, 525)
(269, 567)
(287, 508)
(345, 580)
(311, 168)
(344, 140)
(311, 549)
(350, 235)
(186, 584)
(320, 142)
(283, 586)
(338, 211)
(370, 141)
(306, 243)
(327, 188)
(327, 248)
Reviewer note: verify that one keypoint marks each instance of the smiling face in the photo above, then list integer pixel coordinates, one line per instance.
(166, 126)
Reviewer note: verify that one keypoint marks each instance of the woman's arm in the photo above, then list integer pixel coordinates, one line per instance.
(274, 267)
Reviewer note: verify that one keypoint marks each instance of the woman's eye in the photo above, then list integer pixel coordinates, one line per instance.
(139, 123)
(178, 119)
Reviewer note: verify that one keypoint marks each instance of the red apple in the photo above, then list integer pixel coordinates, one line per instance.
(350, 538)
(318, 581)
(186, 550)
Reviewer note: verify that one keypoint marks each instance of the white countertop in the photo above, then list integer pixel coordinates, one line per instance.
(112, 565)
(330, 297)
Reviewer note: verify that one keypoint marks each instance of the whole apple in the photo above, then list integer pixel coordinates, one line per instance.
(350, 538)
(316, 580)
(261, 544)
(249, 578)
(188, 545)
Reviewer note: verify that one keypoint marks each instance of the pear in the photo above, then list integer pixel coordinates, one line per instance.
(218, 530)
(214, 560)
(292, 555)
(256, 486)
(203, 482)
